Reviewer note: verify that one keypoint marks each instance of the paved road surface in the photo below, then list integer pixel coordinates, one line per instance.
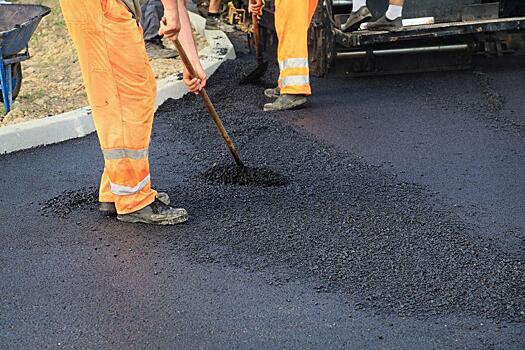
(239, 274)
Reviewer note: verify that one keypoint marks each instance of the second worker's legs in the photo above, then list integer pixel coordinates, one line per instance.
(152, 13)
(392, 19)
(292, 20)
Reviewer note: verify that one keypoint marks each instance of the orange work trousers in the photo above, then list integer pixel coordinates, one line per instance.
(292, 20)
(121, 90)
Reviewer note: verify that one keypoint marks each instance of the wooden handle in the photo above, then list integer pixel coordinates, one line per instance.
(209, 105)
(256, 37)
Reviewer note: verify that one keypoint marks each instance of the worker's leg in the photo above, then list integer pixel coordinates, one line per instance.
(397, 2)
(292, 20)
(121, 90)
(357, 4)
(392, 20)
(152, 13)
(214, 20)
(215, 7)
(395, 9)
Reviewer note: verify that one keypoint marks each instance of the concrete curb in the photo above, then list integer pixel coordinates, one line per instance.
(79, 123)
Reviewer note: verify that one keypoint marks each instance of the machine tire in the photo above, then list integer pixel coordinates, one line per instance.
(320, 42)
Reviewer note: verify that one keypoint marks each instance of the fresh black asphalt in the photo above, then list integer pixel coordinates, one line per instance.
(396, 223)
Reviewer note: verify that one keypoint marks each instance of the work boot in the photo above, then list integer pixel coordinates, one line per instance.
(285, 102)
(109, 209)
(156, 49)
(273, 92)
(384, 23)
(157, 213)
(217, 23)
(356, 18)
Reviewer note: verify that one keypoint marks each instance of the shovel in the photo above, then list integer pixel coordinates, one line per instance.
(262, 65)
(211, 108)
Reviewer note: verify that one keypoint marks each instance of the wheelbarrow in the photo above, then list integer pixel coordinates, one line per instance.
(17, 25)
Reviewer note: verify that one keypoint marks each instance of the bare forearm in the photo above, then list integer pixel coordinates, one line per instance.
(186, 35)
(170, 4)
(170, 23)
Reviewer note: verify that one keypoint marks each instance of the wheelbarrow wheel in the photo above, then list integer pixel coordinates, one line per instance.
(16, 73)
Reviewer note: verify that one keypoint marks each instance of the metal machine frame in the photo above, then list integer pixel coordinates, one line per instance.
(463, 28)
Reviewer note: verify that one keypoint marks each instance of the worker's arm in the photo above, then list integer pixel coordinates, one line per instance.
(194, 84)
(170, 24)
(176, 25)
(255, 7)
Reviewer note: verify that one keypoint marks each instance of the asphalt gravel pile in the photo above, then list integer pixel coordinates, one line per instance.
(68, 201)
(339, 223)
(225, 174)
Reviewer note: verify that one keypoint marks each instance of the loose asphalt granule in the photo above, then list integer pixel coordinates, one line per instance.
(337, 222)
(225, 174)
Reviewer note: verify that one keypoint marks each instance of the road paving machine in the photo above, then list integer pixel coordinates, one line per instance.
(437, 35)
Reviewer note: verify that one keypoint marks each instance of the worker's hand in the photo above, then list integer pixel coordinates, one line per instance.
(255, 7)
(195, 84)
(170, 24)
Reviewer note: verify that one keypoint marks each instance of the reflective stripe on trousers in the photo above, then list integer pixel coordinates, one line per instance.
(121, 190)
(295, 80)
(292, 19)
(121, 90)
(125, 153)
(293, 63)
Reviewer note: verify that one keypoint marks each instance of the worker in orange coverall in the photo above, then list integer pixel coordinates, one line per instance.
(292, 20)
(121, 90)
